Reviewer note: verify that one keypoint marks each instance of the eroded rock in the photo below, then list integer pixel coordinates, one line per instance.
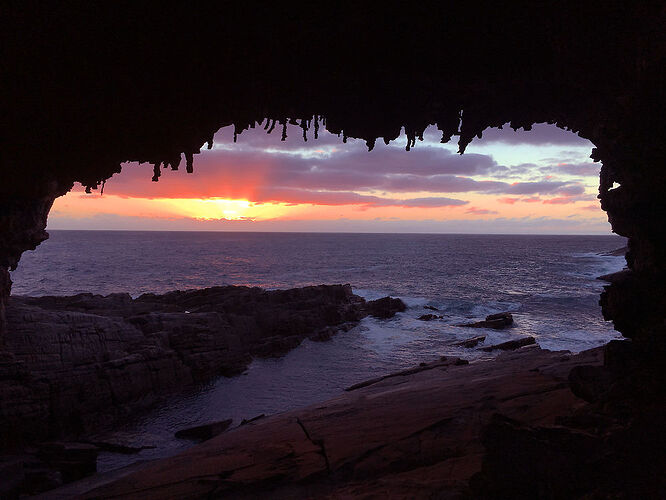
(81, 362)
(473, 342)
(429, 317)
(385, 307)
(411, 435)
(496, 321)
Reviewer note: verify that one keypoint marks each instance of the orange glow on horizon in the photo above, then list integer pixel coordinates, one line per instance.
(222, 209)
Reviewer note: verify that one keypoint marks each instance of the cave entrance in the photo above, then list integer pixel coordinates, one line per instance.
(247, 198)
(512, 226)
(509, 182)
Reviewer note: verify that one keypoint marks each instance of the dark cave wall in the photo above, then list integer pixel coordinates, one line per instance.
(636, 300)
(23, 220)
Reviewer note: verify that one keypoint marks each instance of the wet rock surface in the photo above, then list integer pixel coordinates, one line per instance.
(495, 321)
(76, 363)
(385, 307)
(473, 342)
(429, 317)
(406, 435)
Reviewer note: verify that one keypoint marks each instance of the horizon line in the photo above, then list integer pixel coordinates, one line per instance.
(329, 232)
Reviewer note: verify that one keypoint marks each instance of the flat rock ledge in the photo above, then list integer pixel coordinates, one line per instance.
(417, 434)
(74, 364)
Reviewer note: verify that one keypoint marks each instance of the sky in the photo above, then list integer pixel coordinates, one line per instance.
(536, 182)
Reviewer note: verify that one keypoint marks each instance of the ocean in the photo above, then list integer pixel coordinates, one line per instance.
(547, 282)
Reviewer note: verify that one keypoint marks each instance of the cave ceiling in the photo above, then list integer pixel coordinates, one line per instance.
(89, 86)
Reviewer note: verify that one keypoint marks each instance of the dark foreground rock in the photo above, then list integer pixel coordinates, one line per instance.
(72, 460)
(78, 363)
(385, 307)
(411, 435)
(429, 317)
(205, 431)
(496, 321)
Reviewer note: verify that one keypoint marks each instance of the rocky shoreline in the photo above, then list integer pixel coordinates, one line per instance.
(511, 427)
(78, 364)
(420, 433)
(516, 426)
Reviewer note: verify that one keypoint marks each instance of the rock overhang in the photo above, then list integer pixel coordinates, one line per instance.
(92, 86)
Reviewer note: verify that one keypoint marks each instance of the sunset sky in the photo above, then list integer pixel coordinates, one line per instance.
(540, 181)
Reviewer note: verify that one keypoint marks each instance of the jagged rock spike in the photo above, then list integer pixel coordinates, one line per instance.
(156, 171)
(189, 160)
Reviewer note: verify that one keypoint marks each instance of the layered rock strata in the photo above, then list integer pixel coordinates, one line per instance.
(418, 434)
(74, 363)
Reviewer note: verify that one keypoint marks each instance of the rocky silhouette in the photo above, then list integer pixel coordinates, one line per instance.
(495, 321)
(90, 85)
(82, 361)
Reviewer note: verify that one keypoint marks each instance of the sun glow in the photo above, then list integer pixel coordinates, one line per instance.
(261, 186)
(212, 209)
(224, 209)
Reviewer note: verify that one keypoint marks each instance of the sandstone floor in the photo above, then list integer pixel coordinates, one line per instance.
(407, 436)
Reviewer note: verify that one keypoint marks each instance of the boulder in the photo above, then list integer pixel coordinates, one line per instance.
(591, 383)
(429, 317)
(496, 321)
(385, 308)
(205, 431)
